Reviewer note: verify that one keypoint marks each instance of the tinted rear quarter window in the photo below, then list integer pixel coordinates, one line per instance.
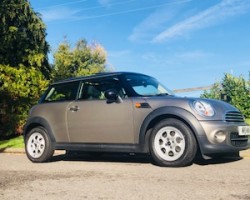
(62, 92)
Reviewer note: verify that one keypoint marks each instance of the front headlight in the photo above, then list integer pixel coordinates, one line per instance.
(203, 108)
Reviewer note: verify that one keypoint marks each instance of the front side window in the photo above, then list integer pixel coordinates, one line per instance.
(62, 92)
(146, 86)
(95, 89)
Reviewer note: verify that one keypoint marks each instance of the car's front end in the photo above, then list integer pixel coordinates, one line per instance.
(225, 129)
(218, 126)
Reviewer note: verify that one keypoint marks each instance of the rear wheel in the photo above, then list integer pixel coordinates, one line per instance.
(172, 143)
(38, 145)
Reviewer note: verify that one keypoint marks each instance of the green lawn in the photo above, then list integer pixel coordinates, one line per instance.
(12, 143)
(248, 121)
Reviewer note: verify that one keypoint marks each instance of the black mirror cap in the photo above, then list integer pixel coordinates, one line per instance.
(111, 95)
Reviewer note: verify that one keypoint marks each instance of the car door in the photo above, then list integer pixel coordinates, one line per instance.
(55, 104)
(92, 120)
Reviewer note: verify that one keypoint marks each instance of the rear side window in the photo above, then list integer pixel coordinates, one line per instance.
(62, 92)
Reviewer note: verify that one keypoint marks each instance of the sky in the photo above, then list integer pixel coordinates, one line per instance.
(182, 43)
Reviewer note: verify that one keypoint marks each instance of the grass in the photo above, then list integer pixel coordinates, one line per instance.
(12, 143)
(248, 121)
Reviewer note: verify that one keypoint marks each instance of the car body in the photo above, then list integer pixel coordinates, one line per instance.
(134, 113)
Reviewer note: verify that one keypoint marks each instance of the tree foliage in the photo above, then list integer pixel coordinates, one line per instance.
(84, 59)
(214, 93)
(23, 63)
(20, 88)
(22, 36)
(24, 66)
(237, 91)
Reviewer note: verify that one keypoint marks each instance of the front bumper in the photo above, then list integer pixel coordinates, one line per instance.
(229, 142)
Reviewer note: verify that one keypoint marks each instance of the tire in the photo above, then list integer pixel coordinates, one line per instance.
(38, 145)
(172, 144)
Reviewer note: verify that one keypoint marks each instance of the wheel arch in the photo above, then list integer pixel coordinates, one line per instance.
(169, 112)
(35, 122)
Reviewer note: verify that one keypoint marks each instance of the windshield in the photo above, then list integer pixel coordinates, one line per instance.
(146, 86)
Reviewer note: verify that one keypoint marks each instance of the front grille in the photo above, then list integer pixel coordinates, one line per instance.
(238, 140)
(234, 116)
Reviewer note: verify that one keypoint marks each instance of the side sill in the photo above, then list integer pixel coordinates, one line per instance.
(123, 148)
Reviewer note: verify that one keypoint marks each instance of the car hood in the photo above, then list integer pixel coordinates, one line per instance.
(186, 103)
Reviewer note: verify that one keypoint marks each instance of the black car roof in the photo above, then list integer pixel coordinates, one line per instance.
(98, 75)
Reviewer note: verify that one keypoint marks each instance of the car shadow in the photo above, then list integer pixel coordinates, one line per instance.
(4, 148)
(217, 160)
(103, 157)
(132, 158)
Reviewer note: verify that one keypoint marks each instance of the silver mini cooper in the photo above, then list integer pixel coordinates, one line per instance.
(131, 112)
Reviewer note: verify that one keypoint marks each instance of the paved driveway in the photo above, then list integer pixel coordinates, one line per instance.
(121, 177)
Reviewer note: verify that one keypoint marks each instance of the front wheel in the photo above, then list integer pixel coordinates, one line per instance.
(38, 145)
(172, 144)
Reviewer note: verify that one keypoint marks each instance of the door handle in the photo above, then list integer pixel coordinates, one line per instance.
(74, 108)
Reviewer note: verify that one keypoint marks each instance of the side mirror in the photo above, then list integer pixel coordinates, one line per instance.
(112, 96)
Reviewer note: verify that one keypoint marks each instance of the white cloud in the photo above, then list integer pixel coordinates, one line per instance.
(155, 21)
(104, 2)
(110, 3)
(208, 17)
(193, 55)
(174, 59)
(61, 13)
(150, 25)
(119, 54)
